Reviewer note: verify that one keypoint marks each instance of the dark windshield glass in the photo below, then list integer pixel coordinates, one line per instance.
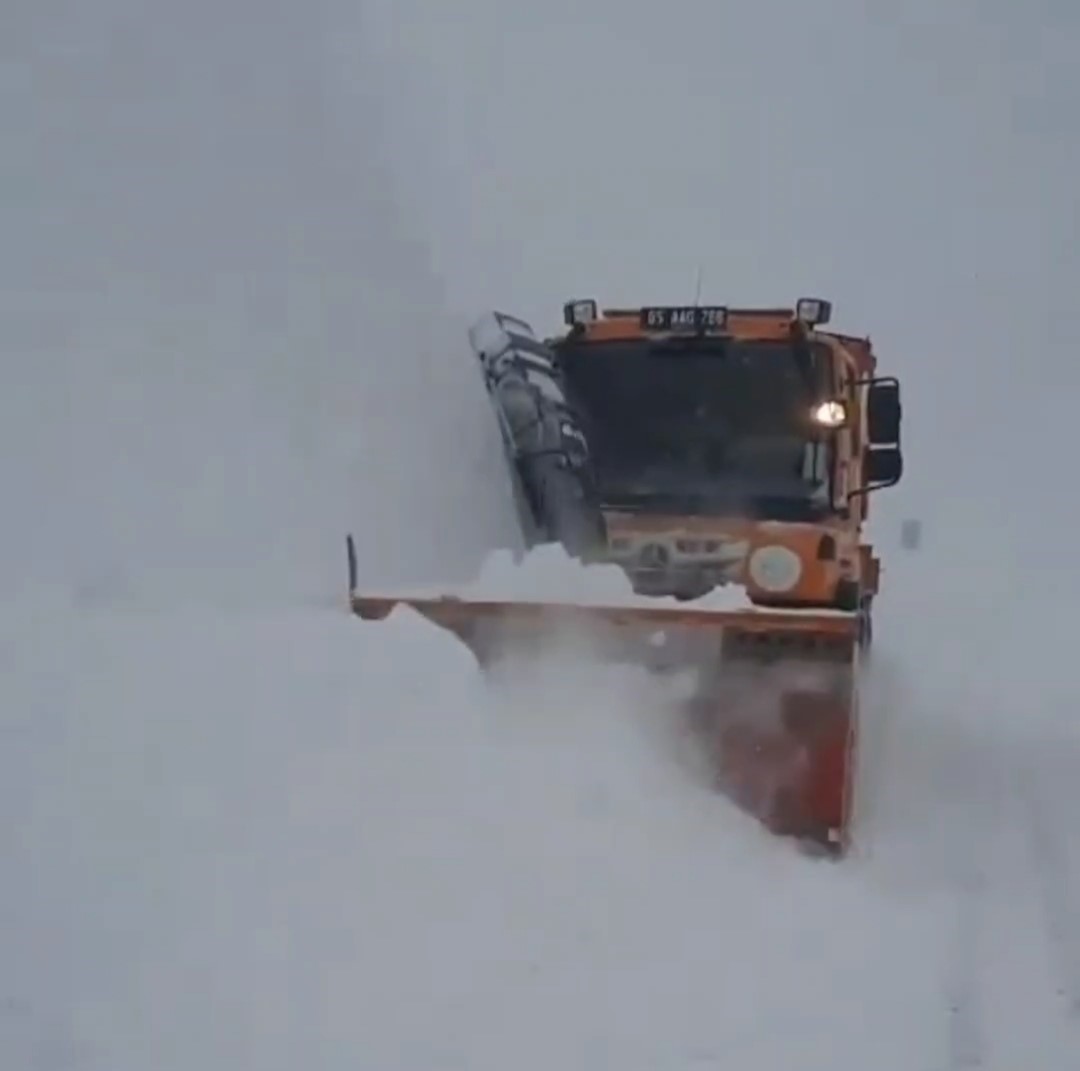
(714, 424)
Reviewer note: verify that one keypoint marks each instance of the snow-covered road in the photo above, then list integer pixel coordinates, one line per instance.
(279, 837)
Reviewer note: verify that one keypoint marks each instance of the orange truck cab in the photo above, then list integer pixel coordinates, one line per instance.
(734, 445)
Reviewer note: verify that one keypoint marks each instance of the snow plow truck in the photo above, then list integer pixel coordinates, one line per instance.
(704, 448)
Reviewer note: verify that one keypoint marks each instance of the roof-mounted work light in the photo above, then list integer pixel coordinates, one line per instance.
(813, 311)
(579, 312)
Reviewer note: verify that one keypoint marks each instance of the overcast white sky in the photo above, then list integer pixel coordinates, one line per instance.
(227, 221)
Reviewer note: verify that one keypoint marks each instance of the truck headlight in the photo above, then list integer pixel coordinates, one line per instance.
(830, 414)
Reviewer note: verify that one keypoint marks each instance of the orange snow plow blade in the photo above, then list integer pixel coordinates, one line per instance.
(775, 700)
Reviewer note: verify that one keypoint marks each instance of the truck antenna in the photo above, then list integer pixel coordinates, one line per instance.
(697, 290)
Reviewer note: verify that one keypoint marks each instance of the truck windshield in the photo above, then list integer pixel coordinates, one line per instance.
(708, 425)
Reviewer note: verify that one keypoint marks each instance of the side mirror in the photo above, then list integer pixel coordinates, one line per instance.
(883, 467)
(883, 412)
(882, 459)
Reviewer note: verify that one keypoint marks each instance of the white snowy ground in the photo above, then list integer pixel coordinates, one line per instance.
(276, 837)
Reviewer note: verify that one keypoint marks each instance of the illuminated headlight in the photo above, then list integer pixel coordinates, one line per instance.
(775, 569)
(830, 414)
(579, 312)
(813, 311)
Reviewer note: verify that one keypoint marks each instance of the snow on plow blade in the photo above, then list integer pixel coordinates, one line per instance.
(775, 699)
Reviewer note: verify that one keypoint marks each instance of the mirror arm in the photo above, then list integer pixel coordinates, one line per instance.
(880, 485)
